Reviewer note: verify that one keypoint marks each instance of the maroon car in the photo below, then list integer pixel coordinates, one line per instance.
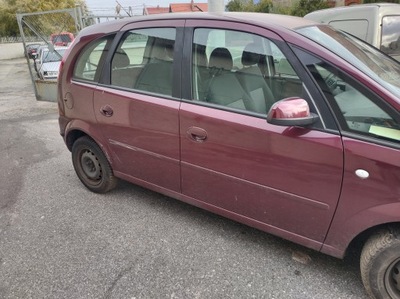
(277, 122)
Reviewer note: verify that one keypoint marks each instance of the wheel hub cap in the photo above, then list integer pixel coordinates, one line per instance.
(91, 165)
(392, 279)
(396, 275)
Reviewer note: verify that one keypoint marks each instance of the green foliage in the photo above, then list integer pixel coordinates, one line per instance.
(248, 5)
(264, 6)
(236, 5)
(9, 9)
(299, 8)
(303, 7)
(377, 1)
(281, 10)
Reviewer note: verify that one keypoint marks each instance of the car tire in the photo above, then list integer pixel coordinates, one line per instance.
(92, 166)
(380, 264)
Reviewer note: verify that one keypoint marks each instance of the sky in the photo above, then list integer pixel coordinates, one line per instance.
(107, 7)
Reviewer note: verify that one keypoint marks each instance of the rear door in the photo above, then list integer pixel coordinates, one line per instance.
(137, 104)
(285, 180)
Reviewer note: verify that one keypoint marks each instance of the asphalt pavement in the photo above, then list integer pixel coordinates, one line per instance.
(58, 240)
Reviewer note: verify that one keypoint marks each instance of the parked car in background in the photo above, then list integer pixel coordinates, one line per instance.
(300, 137)
(47, 62)
(377, 24)
(62, 38)
(31, 49)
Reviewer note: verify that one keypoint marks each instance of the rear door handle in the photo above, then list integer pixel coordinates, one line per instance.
(197, 134)
(107, 110)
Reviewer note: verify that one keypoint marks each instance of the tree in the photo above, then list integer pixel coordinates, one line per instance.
(240, 5)
(9, 9)
(264, 6)
(243, 5)
(303, 7)
(299, 8)
(376, 1)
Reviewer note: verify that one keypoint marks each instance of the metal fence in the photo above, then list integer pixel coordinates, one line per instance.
(44, 37)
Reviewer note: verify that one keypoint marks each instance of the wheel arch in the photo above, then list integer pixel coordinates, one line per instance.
(349, 229)
(357, 243)
(78, 128)
(72, 136)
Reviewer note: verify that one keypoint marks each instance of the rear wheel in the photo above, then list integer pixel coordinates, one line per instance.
(92, 166)
(380, 265)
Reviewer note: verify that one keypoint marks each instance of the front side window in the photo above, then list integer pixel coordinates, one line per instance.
(88, 65)
(357, 109)
(240, 71)
(143, 61)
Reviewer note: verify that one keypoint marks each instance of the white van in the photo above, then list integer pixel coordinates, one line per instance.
(377, 24)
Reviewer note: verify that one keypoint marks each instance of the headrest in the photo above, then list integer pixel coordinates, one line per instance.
(221, 58)
(251, 55)
(120, 59)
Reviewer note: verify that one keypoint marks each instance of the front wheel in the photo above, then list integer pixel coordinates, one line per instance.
(380, 265)
(92, 166)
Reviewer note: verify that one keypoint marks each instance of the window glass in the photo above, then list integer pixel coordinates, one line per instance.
(87, 65)
(357, 109)
(143, 61)
(54, 56)
(239, 70)
(363, 56)
(391, 35)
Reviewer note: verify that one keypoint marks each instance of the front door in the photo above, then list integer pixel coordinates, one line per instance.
(284, 180)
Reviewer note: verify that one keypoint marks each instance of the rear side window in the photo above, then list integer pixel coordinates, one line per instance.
(88, 65)
(143, 61)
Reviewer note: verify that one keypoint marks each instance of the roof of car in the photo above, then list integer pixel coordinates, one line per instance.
(272, 20)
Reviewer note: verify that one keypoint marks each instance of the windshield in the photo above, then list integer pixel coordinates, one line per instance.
(62, 38)
(53, 56)
(363, 56)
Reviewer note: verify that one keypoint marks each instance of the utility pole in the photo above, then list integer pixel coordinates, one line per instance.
(216, 6)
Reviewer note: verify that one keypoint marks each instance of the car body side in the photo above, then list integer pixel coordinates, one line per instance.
(350, 214)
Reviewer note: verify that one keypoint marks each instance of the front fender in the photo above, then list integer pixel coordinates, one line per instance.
(343, 231)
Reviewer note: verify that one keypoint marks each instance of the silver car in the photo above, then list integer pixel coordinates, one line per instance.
(48, 62)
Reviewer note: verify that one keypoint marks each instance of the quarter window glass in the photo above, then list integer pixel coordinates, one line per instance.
(87, 65)
(143, 61)
(357, 109)
(391, 35)
(242, 71)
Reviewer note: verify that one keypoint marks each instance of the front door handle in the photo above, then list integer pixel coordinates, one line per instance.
(197, 134)
(107, 110)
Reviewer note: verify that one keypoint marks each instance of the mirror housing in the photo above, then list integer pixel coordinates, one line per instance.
(291, 112)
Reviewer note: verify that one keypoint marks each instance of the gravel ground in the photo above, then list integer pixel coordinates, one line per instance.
(58, 240)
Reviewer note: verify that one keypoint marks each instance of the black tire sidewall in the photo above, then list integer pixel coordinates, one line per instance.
(378, 266)
(106, 182)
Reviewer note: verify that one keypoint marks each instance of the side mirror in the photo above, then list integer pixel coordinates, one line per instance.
(291, 112)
